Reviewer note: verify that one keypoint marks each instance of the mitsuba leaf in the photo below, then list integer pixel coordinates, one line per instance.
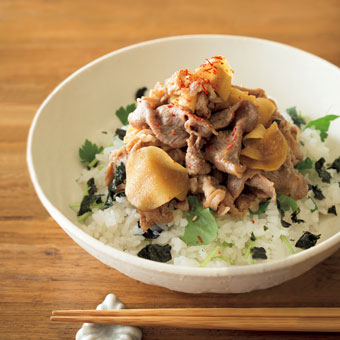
(307, 163)
(297, 119)
(202, 227)
(123, 113)
(156, 252)
(140, 92)
(321, 170)
(307, 240)
(335, 165)
(258, 253)
(286, 203)
(322, 124)
(87, 152)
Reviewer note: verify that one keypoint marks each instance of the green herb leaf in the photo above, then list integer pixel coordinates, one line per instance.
(156, 252)
(202, 227)
(322, 124)
(296, 117)
(307, 163)
(307, 240)
(321, 170)
(335, 165)
(258, 253)
(332, 210)
(140, 92)
(262, 208)
(123, 113)
(87, 152)
(252, 237)
(287, 203)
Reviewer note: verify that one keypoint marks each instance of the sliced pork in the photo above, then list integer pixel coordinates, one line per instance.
(167, 123)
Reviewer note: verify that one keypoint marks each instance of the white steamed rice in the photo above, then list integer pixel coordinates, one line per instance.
(117, 225)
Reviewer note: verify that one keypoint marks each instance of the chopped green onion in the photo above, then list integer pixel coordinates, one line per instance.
(224, 258)
(98, 205)
(86, 189)
(74, 205)
(287, 243)
(210, 256)
(100, 167)
(246, 255)
(83, 217)
(93, 163)
(315, 205)
(227, 244)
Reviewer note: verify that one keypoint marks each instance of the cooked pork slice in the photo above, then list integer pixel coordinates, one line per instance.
(236, 185)
(116, 157)
(227, 206)
(245, 202)
(194, 160)
(199, 126)
(219, 175)
(167, 123)
(291, 133)
(259, 93)
(137, 118)
(288, 181)
(221, 119)
(177, 155)
(224, 150)
(213, 192)
(135, 139)
(193, 185)
(202, 109)
(183, 205)
(159, 215)
(263, 185)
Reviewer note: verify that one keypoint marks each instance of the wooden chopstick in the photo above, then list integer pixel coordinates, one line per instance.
(268, 319)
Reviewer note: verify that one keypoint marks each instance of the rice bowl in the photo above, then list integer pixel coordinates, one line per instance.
(230, 279)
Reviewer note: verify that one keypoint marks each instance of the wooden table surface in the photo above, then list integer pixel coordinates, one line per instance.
(41, 43)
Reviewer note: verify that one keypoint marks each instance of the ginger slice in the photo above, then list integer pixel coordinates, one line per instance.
(153, 178)
(267, 153)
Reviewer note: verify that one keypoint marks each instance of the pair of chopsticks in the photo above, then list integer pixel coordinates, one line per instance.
(257, 319)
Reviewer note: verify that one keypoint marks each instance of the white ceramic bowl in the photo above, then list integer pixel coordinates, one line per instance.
(85, 102)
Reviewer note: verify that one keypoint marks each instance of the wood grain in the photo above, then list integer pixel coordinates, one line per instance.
(42, 42)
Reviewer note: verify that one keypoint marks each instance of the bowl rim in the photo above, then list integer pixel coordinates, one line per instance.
(233, 270)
